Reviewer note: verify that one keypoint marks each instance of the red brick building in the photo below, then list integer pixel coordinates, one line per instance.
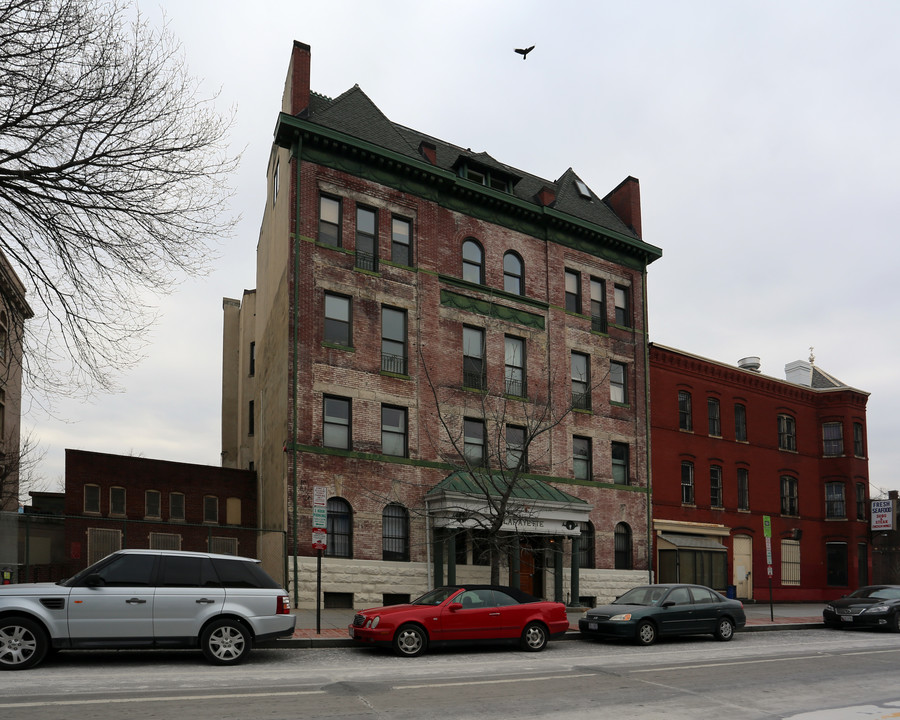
(118, 501)
(423, 309)
(731, 447)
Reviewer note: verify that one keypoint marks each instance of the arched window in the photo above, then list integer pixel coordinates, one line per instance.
(586, 556)
(339, 526)
(513, 274)
(473, 262)
(395, 533)
(623, 547)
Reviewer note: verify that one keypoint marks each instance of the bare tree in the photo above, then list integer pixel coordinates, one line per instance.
(496, 470)
(19, 470)
(113, 175)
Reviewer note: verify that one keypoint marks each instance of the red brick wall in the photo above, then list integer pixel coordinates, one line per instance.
(436, 331)
(138, 475)
(765, 398)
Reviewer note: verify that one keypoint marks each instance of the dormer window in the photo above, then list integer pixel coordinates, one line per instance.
(482, 175)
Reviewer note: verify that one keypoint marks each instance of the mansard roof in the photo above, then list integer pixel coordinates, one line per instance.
(354, 114)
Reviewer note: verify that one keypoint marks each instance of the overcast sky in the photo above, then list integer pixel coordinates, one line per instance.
(764, 135)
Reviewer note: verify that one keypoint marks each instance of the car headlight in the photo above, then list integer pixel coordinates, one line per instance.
(829, 608)
(623, 617)
(877, 609)
(373, 622)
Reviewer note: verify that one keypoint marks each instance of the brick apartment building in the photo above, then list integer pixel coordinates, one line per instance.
(120, 501)
(732, 446)
(14, 311)
(422, 310)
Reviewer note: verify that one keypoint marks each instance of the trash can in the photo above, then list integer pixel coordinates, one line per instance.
(731, 592)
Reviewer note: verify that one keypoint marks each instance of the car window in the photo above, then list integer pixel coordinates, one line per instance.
(187, 572)
(679, 596)
(242, 574)
(128, 571)
(704, 595)
(887, 593)
(501, 599)
(476, 599)
(640, 596)
(436, 596)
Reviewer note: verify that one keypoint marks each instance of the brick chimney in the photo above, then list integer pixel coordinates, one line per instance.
(296, 91)
(428, 151)
(625, 202)
(546, 196)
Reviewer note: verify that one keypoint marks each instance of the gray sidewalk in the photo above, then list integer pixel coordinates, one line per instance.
(328, 628)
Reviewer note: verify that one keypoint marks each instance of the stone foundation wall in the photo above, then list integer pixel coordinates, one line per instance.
(369, 580)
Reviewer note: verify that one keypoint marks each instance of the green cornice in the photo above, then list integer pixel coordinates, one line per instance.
(371, 457)
(493, 292)
(489, 308)
(330, 148)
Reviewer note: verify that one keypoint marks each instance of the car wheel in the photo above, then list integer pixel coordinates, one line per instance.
(410, 641)
(23, 643)
(894, 623)
(225, 642)
(646, 633)
(724, 629)
(534, 637)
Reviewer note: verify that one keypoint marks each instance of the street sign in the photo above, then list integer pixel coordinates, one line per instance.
(320, 506)
(767, 526)
(319, 539)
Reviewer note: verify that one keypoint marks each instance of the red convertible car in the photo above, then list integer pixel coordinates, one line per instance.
(462, 615)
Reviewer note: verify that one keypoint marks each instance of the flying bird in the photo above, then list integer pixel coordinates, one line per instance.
(524, 51)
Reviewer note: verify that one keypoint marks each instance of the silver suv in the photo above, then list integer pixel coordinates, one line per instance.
(146, 599)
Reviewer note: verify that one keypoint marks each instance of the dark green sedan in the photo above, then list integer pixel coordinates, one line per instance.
(646, 613)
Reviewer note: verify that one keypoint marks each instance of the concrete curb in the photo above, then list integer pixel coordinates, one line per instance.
(346, 642)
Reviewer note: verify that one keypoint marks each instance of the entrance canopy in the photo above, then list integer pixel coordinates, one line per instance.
(470, 500)
(692, 542)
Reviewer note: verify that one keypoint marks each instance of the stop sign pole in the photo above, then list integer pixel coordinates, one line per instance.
(319, 543)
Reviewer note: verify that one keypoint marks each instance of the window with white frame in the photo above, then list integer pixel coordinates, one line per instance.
(515, 366)
(835, 506)
(582, 458)
(401, 241)
(685, 417)
(833, 439)
(330, 220)
(336, 422)
(474, 442)
(618, 383)
(715, 486)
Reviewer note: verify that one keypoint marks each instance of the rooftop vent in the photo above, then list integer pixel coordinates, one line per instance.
(749, 363)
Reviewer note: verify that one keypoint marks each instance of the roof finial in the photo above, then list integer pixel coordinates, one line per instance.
(812, 358)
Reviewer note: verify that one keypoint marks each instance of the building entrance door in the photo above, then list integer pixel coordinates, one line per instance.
(526, 569)
(742, 576)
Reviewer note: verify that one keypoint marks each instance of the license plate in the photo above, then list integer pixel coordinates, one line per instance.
(351, 632)
(847, 618)
(592, 626)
